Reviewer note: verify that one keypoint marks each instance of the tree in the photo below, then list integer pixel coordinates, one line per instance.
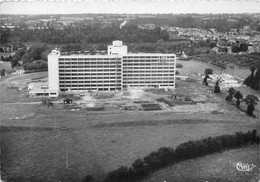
(251, 101)
(234, 49)
(217, 88)
(231, 92)
(255, 82)
(44, 55)
(3, 72)
(238, 96)
(14, 62)
(243, 47)
(250, 78)
(160, 49)
(208, 71)
(212, 44)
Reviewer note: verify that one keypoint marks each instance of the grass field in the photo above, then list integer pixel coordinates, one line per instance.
(16, 94)
(55, 144)
(220, 167)
(193, 67)
(97, 143)
(5, 65)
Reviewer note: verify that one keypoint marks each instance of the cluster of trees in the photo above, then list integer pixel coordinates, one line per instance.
(7, 58)
(239, 47)
(88, 33)
(35, 58)
(168, 156)
(189, 47)
(250, 100)
(220, 22)
(253, 80)
(159, 47)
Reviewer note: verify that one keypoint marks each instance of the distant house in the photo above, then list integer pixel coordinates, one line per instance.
(19, 70)
(220, 49)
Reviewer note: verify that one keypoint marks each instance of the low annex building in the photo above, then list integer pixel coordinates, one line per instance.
(113, 72)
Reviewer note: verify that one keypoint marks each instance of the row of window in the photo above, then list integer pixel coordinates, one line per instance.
(92, 85)
(148, 60)
(140, 85)
(147, 75)
(145, 68)
(105, 66)
(149, 71)
(90, 74)
(100, 76)
(75, 74)
(90, 78)
(92, 88)
(92, 81)
(155, 78)
(147, 82)
(87, 71)
(88, 62)
(88, 59)
(125, 58)
(148, 64)
(147, 57)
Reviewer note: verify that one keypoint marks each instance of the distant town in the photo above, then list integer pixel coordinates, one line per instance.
(194, 34)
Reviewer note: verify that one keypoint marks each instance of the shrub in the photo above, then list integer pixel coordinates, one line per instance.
(202, 147)
(88, 178)
(245, 138)
(208, 71)
(216, 89)
(179, 65)
(228, 141)
(121, 174)
(140, 168)
(254, 137)
(153, 161)
(214, 145)
(182, 152)
(167, 156)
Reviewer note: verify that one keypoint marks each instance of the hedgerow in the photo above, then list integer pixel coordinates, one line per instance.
(167, 156)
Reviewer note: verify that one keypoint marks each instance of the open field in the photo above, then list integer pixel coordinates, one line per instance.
(192, 68)
(5, 65)
(57, 144)
(43, 143)
(219, 167)
(14, 88)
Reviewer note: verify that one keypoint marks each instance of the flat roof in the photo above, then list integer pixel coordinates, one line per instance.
(37, 87)
(114, 56)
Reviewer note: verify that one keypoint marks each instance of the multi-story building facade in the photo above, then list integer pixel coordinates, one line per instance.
(115, 71)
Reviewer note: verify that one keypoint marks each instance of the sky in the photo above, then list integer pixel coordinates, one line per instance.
(130, 6)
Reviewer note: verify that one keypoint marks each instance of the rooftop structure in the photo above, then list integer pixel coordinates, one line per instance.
(117, 48)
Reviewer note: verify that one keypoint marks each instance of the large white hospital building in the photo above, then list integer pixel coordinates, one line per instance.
(117, 70)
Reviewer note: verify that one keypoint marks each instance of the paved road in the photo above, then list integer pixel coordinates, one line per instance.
(12, 77)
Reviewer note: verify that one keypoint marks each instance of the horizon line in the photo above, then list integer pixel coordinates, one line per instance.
(132, 13)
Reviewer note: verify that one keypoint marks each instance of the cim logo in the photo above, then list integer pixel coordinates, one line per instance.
(245, 167)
